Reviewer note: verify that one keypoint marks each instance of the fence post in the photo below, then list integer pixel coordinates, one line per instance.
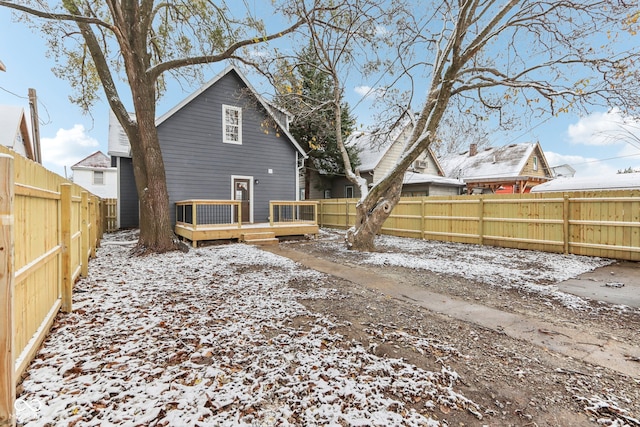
(103, 217)
(84, 259)
(481, 221)
(270, 213)
(423, 221)
(93, 232)
(346, 213)
(65, 226)
(315, 213)
(7, 371)
(565, 223)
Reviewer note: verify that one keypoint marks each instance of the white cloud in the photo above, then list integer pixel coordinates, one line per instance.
(584, 166)
(369, 92)
(67, 148)
(610, 128)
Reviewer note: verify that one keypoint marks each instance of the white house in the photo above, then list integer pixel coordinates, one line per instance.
(14, 131)
(95, 173)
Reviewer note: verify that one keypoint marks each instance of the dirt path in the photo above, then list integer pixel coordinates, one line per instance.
(607, 353)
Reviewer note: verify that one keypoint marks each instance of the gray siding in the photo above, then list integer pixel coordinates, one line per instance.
(127, 195)
(199, 165)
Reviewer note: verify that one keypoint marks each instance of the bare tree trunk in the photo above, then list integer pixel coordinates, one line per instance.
(371, 213)
(156, 233)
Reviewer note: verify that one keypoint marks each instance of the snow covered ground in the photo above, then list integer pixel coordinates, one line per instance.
(209, 338)
(532, 271)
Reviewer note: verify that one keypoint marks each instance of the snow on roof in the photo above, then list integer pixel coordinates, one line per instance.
(491, 162)
(424, 178)
(371, 148)
(623, 181)
(95, 160)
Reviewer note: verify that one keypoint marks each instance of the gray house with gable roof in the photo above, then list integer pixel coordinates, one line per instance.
(223, 142)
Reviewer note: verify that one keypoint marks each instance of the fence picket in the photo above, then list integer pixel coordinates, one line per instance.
(7, 372)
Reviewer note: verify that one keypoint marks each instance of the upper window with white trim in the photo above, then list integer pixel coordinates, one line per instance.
(98, 178)
(231, 124)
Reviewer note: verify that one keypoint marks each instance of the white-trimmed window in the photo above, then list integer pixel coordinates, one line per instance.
(231, 124)
(98, 178)
(348, 191)
(535, 163)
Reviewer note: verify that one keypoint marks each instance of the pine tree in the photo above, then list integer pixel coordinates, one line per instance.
(306, 91)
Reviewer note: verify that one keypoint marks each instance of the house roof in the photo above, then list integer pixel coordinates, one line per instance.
(425, 178)
(490, 163)
(372, 146)
(13, 122)
(265, 104)
(97, 160)
(623, 181)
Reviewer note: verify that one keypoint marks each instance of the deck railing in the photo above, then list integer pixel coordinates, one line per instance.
(229, 212)
(288, 212)
(209, 212)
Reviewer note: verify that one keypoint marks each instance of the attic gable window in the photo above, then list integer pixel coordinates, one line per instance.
(231, 124)
(535, 163)
(98, 178)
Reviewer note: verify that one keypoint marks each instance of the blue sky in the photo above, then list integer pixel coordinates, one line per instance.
(68, 136)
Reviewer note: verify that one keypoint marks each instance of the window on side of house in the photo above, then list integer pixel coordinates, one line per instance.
(98, 178)
(327, 194)
(348, 191)
(535, 163)
(231, 124)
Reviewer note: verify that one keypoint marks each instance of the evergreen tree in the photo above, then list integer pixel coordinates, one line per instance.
(307, 92)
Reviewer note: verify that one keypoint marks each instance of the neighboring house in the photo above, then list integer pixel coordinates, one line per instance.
(95, 173)
(14, 131)
(563, 171)
(378, 154)
(623, 181)
(514, 168)
(223, 142)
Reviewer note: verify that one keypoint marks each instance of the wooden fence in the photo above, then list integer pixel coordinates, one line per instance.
(49, 230)
(110, 215)
(595, 223)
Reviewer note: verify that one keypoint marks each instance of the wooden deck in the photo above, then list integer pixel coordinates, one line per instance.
(208, 220)
(250, 233)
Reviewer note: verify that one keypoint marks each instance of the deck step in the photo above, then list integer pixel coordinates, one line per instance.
(260, 238)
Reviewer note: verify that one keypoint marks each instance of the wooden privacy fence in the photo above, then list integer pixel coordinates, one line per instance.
(49, 228)
(110, 215)
(595, 223)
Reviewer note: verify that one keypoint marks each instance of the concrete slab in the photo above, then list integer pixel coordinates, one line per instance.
(618, 283)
